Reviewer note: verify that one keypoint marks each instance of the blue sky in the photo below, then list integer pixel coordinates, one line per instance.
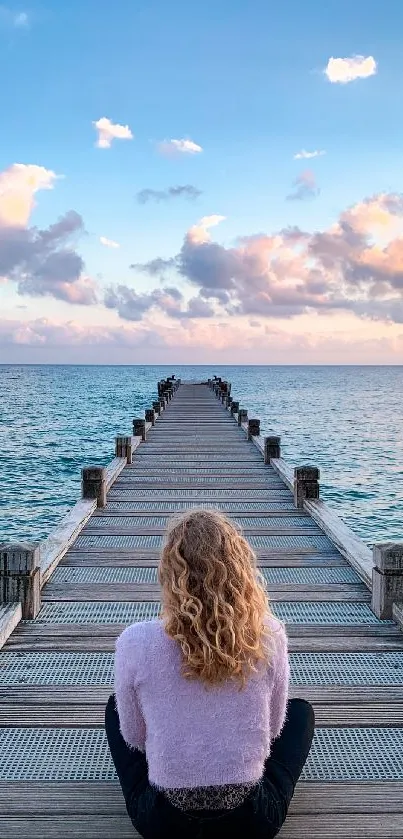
(247, 84)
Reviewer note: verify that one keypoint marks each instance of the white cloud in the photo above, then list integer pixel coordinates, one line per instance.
(344, 70)
(109, 243)
(20, 20)
(199, 232)
(306, 155)
(109, 131)
(174, 147)
(18, 185)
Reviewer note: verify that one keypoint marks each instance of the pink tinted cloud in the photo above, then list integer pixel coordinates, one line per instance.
(192, 341)
(356, 265)
(41, 262)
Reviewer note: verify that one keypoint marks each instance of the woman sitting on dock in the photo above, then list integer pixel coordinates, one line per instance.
(203, 740)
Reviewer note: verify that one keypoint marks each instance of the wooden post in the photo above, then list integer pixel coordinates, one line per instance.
(157, 407)
(93, 483)
(163, 404)
(242, 416)
(124, 448)
(228, 401)
(306, 484)
(139, 428)
(387, 578)
(253, 428)
(272, 448)
(20, 577)
(150, 415)
(234, 407)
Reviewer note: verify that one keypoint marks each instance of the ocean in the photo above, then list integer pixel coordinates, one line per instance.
(347, 420)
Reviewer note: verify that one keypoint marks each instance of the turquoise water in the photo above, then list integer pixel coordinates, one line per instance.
(346, 420)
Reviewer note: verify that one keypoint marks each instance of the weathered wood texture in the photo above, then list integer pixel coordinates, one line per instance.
(189, 451)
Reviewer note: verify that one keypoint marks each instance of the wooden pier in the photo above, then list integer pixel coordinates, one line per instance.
(65, 602)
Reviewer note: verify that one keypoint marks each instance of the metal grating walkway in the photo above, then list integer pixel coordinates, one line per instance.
(54, 754)
(128, 612)
(130, 574)
(96, 668)
(149, 542)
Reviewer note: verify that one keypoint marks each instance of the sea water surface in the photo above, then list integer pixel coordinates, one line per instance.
(347, 420)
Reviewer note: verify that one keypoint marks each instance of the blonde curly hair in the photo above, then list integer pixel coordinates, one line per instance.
(214, 601)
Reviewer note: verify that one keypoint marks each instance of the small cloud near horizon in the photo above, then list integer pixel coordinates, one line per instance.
(307, 155)
(186, 191)
(305, 187)
(172, 148)
(109, 131)
(345, 70)
(109, 243)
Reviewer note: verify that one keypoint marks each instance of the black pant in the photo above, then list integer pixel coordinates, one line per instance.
(260, 816)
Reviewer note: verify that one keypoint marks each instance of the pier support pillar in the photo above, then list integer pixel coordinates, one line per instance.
(20, 577)
(93, 483)
(306, 484)
(157, 407)
(234, 407)
(253, 428)
(124, 448)
(242, 416)
(150, 415)
(387, 578)
(139, 428)
(272, 448)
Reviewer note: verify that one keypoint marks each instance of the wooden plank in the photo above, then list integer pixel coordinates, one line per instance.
(284, 471)
(91, 715)
(53, 549)
(88, 642)
(147, 552)
(233, 513)
(187, 482)
(113, 470)
(95, 826)
(301, 631)
(79, 558)
(98, 695)
(150, 530)
(105, 797)
(10, 616)
(104, 514)
(398, 614)
(136, 592)
(349, 545)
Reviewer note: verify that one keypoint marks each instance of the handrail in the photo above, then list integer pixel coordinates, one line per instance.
(59, 540)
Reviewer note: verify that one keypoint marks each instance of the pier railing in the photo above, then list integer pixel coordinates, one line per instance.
(25, 567)
(380, 569)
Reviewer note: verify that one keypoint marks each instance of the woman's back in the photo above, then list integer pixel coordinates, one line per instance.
(194, 734)
(200, 741)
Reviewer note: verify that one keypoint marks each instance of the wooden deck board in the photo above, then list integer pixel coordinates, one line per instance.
(137, 592)
(99, 826)
(196, 434)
